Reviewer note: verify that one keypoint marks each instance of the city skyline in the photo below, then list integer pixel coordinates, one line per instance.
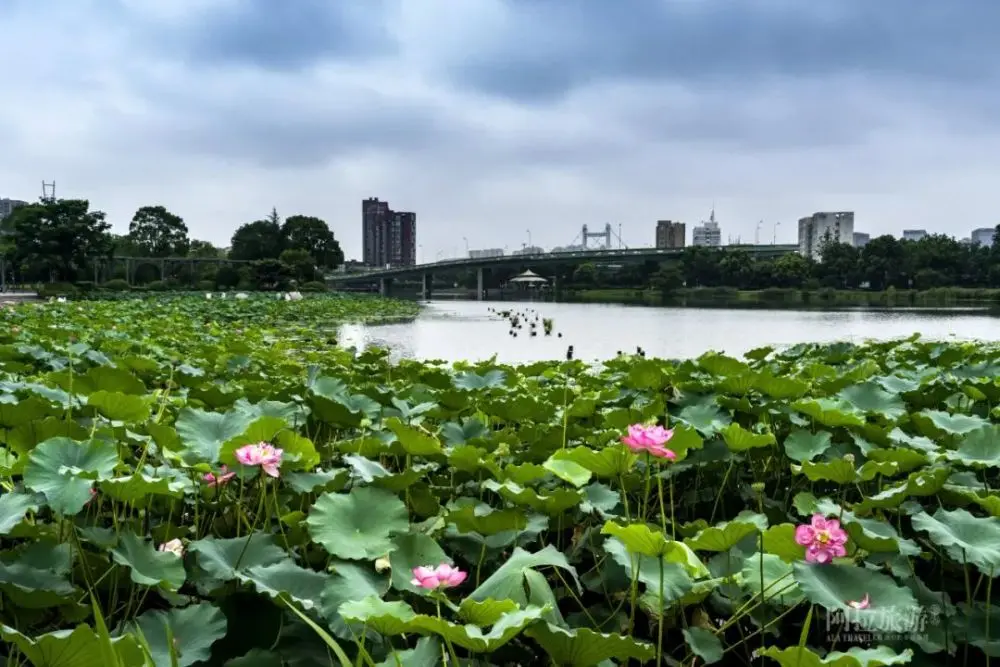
(489, 129)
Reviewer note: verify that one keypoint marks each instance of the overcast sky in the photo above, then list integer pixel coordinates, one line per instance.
(492, 117)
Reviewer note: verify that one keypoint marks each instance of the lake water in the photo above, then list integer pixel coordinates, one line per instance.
(467, 330)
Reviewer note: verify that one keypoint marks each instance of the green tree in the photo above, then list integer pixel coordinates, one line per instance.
(667, 279)
(839, 266)
(57, 239)
(883, 263)
(204, 249)
(305, 232)
(700, 266)
(270, 274)
(157, 232)
(790, 270)
(257, 240)
(585, 274)
(300, 263)
(737, 269)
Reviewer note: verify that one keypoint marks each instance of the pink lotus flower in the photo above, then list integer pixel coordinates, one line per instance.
(262, 454)
(442, 576)
(174, 546)
(863, 603)
(650, 440)
(221, 479)
(823, 539)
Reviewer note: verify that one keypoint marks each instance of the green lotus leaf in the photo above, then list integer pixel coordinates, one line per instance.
(343, 522)
(829, 412)
(739, 439)
(24, 411)
(350, 581)
(838, 471)
(285, 578)
(724, 536)
(641, 539)
(193, 629)
(780, 541)
(772, 575)
(906, 460)
(507, 582)
(676, 581)
(14, 506)
(470, 381)
(704, 643)
(870, 398)
(460, 433)
(63, 470)
(552, 503)
(802, 445)
(202, 433)
(475, 517)
(411, 550)
(568, 471)
(396, 618)
(25, 437)
(925, 482)
(834, 587)
(261, 658)
(414, 440)
(147, 566)
(140, 489)
(427, 653)
(934, 423)
(797, 656)
(79, 647)
(319, 480)
(31, 585)
(581, 647)
(116, 406)
(225, 558)
(781, 388)
(979, 448)
(609, 462)
(705, 417)
(966, 538)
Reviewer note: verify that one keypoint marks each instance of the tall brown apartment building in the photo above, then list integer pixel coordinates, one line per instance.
(387, 237)
(670, 234)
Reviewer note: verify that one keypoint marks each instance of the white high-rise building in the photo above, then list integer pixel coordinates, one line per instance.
(818, 228)
(707, 233)
(486, 252)
(983, 236)
(7, 206)
(914, 234)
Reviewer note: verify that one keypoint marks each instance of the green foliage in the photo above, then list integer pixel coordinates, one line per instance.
(56, 240)
(156, 232)
(115, 551)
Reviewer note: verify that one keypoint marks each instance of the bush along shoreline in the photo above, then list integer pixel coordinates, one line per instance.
(202, 482)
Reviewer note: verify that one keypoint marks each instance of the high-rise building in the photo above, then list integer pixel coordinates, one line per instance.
(983, 236)
(820, 228)
(670, 234)
(707, 233)
(387, 237)
(914, 234)
(861, 239)
(7, 206)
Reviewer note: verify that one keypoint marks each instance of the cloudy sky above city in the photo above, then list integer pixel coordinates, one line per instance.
(490, 118)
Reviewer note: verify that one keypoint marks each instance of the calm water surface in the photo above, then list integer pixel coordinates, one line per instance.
(467, 330)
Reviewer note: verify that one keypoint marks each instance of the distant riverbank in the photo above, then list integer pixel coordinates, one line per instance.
(703, 296)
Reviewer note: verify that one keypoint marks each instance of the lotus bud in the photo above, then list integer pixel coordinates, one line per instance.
(758, 487)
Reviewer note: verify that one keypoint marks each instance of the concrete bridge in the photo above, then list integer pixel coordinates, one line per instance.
(425, 272)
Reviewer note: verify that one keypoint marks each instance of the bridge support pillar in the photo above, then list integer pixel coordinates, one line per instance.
(480, 284)
(384, 286)
(426, 284)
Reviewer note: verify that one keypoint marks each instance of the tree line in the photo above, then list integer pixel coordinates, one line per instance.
(65, 241)
(885, 262)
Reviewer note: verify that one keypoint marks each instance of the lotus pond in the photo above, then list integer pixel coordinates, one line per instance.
(204, 482)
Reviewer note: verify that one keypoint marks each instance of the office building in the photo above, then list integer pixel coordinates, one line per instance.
(388, 238)
(529, 250)
(7, 206)
(914, 234)
(861, 239)
(670, 234)
(707, 233)
(823, 227)
(983, 236)
(485, 253)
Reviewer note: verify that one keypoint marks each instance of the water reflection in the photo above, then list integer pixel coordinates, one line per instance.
(466, 330)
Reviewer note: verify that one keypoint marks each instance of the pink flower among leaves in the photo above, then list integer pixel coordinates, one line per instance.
(863, 603)
(174, 546)
(650, 440)
(823, 539)
(262, 454)
(211, 479)
(433, 578)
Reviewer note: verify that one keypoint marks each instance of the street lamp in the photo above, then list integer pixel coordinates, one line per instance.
(774, 238)
(529, 238)
(756, 234)
(466, 244)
